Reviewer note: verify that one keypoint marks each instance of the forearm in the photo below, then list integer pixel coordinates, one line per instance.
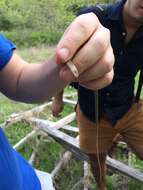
(38, 83)
(31, 83)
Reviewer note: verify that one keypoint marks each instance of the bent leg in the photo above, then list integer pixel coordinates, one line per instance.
(113, 150)
(96, 144)
(131, 127)
(98, 168)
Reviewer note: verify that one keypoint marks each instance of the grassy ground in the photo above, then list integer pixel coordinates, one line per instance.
(49, 151)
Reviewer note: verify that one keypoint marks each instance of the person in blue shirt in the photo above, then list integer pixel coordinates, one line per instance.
(119, 113)
(32, 83)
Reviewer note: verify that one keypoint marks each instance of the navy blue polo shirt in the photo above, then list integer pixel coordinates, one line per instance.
(15, 172)
(116, 99)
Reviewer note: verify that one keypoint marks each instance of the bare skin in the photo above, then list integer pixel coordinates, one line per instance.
(57, 104)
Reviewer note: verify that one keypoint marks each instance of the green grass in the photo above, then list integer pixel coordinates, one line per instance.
(49, 152)
(37, 55)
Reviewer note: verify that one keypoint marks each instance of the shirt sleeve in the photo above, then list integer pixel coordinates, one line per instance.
(6, 51)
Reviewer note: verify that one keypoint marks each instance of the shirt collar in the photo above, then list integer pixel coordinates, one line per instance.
(115, 11)
(115, 14)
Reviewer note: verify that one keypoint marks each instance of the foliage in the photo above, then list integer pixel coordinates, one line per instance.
(29, 23)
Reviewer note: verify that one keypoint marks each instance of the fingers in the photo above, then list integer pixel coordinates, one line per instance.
(66, 75)
(87, 44)
(93, 50)
(57, 107)
(77, 34)
(86, 60)
(97, 71)
(100, 82)
(102, 66)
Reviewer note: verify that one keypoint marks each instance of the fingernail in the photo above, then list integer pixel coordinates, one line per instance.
(64, 53)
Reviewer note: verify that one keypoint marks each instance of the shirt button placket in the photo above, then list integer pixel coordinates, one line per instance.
(123, 33)
(121, 52)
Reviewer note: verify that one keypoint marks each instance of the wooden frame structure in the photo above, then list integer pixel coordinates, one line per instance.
(71, 144)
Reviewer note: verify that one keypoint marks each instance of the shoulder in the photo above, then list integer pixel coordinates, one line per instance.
(6, 51)
(4, 40)
(101, 10)
(89, 9)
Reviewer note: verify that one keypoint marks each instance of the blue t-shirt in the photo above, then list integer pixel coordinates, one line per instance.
(15, 171)
(6, 51)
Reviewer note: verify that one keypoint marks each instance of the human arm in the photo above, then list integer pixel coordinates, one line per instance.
(86, 42)
(31, 83)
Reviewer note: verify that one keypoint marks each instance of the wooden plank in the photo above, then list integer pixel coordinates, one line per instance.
(63, 161)
(72, 144)
(30, 135)
(64, 121)
(32, 158)
(71, 102)
(59, 124)
(86, 176)
(16, 117)
(71, 128)
(66, 127)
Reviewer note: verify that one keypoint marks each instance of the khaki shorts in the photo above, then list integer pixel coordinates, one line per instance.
(130, 127)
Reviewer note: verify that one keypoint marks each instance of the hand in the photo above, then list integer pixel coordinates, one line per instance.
(87, 43)
(57, 107)
(58, 104)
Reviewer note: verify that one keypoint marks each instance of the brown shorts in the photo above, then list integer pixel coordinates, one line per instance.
(130, 127)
